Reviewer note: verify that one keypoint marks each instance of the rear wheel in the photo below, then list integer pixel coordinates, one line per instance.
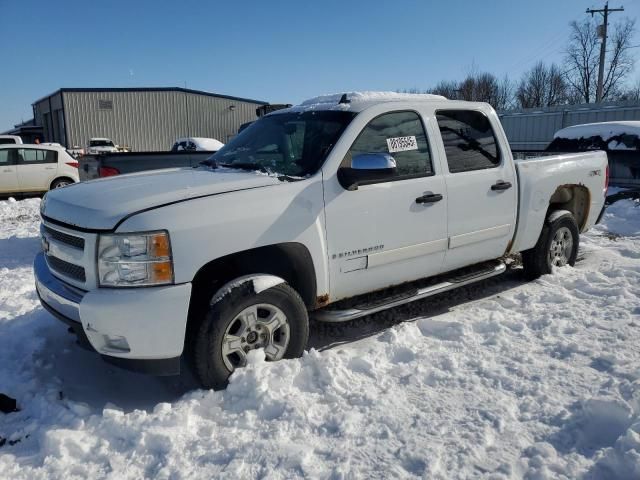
(275, 320)
(556, 247)
(61, 182)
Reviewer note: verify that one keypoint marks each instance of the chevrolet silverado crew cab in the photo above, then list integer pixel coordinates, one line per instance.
(304, 214)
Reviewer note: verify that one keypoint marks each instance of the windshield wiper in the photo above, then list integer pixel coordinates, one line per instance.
(209, 162)
(245, 166)
(257, 167)
(289, 178)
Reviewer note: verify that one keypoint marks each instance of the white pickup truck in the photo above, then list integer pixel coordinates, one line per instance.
(304, 214)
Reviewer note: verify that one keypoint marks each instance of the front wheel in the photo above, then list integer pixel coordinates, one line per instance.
(556, 247)
(275, 320)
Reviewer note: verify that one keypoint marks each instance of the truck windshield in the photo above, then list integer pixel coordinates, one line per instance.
(101, 143)
(292, 144)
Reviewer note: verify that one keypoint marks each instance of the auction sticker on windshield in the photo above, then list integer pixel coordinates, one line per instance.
(402, 144)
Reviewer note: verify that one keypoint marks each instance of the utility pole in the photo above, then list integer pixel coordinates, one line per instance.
(602, 33)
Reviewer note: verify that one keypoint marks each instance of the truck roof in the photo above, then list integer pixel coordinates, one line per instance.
(359, 101)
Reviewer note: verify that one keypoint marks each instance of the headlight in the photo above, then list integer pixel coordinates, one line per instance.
(134, 260)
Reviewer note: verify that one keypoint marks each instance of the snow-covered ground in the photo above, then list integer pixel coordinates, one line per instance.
(503, 379)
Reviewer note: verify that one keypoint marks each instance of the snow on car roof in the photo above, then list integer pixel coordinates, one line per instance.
(203, 142)
(36, 146)
(602, 129)
(357, 101)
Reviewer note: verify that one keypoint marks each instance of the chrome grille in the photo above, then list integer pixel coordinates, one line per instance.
(68, 269)
(71, 240)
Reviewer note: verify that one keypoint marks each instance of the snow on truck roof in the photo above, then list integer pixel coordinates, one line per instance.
(371, 97)
(357, 101)
(601, 129)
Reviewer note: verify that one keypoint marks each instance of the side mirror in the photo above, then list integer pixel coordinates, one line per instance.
(367, 168)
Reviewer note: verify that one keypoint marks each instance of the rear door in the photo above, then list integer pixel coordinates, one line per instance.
(8, 171)
(481, 186)
(37, 168)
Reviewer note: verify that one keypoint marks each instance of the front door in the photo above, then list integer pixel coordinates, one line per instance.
(481, 186)
(385, 233)
(8, 171)
(36, 169)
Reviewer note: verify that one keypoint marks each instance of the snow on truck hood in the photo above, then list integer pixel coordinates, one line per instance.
(100, 204)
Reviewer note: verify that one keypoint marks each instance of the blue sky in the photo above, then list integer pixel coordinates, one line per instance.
(278, 51)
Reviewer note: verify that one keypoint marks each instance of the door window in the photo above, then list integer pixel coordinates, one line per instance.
(32, 156)
(469, 140)
(5, 158)
(400, 134)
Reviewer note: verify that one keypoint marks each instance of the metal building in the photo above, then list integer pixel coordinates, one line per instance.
(533, 128)
(144, 119)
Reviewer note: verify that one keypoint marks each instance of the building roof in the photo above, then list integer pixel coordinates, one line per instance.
(152, 89)
(28, 126)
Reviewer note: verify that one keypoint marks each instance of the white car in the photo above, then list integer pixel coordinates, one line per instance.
(197, 144)
(35, 168)
(100, 145)
(10, 140)
(305, 213)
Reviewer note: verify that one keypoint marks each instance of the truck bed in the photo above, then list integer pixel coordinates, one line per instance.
(624, 165)
(130, 162)
(540, 177)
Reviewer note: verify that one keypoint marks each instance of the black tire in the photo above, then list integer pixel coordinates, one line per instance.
(536, 261)
(61, 182)
(207, 357)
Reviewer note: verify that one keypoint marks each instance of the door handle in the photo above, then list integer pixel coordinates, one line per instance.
(500, 185)
(7, 170)
(429, 198)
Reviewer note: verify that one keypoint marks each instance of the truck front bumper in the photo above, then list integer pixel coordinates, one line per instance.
(139, 329)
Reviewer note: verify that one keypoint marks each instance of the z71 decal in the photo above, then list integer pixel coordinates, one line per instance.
(402, 144)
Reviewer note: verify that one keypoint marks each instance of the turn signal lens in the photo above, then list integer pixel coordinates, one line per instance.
(161, 272)
(159, 245)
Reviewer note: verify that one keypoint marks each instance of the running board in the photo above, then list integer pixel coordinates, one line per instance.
(336, 316)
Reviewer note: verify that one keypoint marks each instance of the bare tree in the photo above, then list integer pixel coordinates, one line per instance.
(542, 86)
(411, 90)
(620, 63)
(505, 97)
(631, 93)
(582, 58)
(446, 88)
(485, 87)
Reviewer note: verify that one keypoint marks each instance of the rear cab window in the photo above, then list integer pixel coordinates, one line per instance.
(469, 140)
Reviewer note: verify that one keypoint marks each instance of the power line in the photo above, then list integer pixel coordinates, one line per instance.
(540, 51)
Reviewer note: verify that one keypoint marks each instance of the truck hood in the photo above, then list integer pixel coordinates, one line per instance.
(101, 204)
